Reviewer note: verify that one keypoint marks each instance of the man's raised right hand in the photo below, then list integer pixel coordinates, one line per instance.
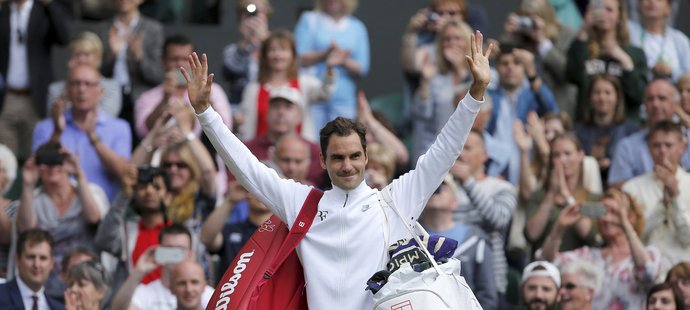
(199, 83)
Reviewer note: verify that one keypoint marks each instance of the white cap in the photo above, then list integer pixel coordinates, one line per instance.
(288, 93)
(547, 270)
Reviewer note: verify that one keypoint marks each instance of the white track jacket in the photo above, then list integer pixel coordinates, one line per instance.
(346, 243)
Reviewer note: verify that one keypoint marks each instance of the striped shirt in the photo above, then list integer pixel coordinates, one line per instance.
(489, 204)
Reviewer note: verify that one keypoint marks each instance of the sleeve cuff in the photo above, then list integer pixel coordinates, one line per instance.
(471, 103)
(205, 117)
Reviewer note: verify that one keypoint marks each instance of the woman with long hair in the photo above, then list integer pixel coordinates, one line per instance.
(563, 186)
(630, 268)
(279, 67)
(445, 79)
(603, 46)
(665, 296)
(604, 122)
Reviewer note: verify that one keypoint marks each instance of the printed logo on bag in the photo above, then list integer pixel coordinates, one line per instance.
(228, 287)
(267, 226)
(322, 215)
(405, 305)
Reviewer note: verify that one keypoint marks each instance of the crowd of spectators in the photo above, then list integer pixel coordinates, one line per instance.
(573, 187)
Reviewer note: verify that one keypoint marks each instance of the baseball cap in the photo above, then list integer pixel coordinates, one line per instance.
(541, 268)
(288, 93)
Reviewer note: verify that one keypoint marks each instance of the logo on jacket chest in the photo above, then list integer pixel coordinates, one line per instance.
(322, 215)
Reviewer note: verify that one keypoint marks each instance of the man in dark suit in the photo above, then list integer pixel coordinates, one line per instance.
(28, 31)
(34, 263)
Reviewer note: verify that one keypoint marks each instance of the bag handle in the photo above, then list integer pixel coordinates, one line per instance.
(389, 200)
(299, 229)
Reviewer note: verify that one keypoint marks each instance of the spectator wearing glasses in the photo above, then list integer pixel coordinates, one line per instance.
(328, 37)
(580, 282)
(101, 142)
(69, 210)
(34, 265)
(87, 286)
(87, 49)
(28, 31)
(629, 268)
(679, 276)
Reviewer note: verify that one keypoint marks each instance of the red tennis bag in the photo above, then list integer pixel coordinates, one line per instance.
(266, 274)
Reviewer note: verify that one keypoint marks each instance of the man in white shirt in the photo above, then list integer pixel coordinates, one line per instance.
(187, 283)
(157, 295)
(664, 194)
(347, 244)
(26, 66)
(34, 264)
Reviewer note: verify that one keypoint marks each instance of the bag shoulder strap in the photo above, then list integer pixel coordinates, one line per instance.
(466, 245)
(298, 231)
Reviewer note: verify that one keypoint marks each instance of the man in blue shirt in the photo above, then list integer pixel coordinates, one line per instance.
(102, 143)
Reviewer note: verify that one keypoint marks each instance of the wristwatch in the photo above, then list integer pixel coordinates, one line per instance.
(190, 136)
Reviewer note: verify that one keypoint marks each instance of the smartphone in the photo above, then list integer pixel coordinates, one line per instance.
(169, 255)
(593, 209)
(179, 78)
(171, 122)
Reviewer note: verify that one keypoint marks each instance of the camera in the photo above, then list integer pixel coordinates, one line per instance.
(525, 24)
(251, 9)
(432, 17)
(147, 174)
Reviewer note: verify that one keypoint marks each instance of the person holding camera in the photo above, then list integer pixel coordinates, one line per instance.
(144, 191)
(241, 59)
(630, 268)
(534, 27)
(174, 248)
(66, 205)
(603, 46)
(151, 105)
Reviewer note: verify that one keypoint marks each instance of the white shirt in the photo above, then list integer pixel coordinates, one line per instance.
(18, 65)
(120, 71)
(346, 244)
(27, 295)
(155, 296)
(666, 227)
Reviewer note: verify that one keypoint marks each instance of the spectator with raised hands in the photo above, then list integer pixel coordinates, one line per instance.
(378, 133)
(329, 37)
(534, 27)
(87, 286)
(444, 79)
(279, 68)
(630, 268)
(69, 210)
(604, 123)
(666, 48)
(520, 91)
(563, 186)
(603, 46)
(662, 194)
(87, 49)
(241, 59)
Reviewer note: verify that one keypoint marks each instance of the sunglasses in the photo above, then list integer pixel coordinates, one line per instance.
(177, 164)
(569, 286)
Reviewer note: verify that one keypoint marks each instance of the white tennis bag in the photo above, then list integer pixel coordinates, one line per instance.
(437, 288)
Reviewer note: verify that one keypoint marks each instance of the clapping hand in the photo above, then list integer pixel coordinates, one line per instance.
(199, 83)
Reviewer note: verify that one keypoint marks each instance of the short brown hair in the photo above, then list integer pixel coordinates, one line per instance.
(342, 127)
(34, 236)
(667, 127)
